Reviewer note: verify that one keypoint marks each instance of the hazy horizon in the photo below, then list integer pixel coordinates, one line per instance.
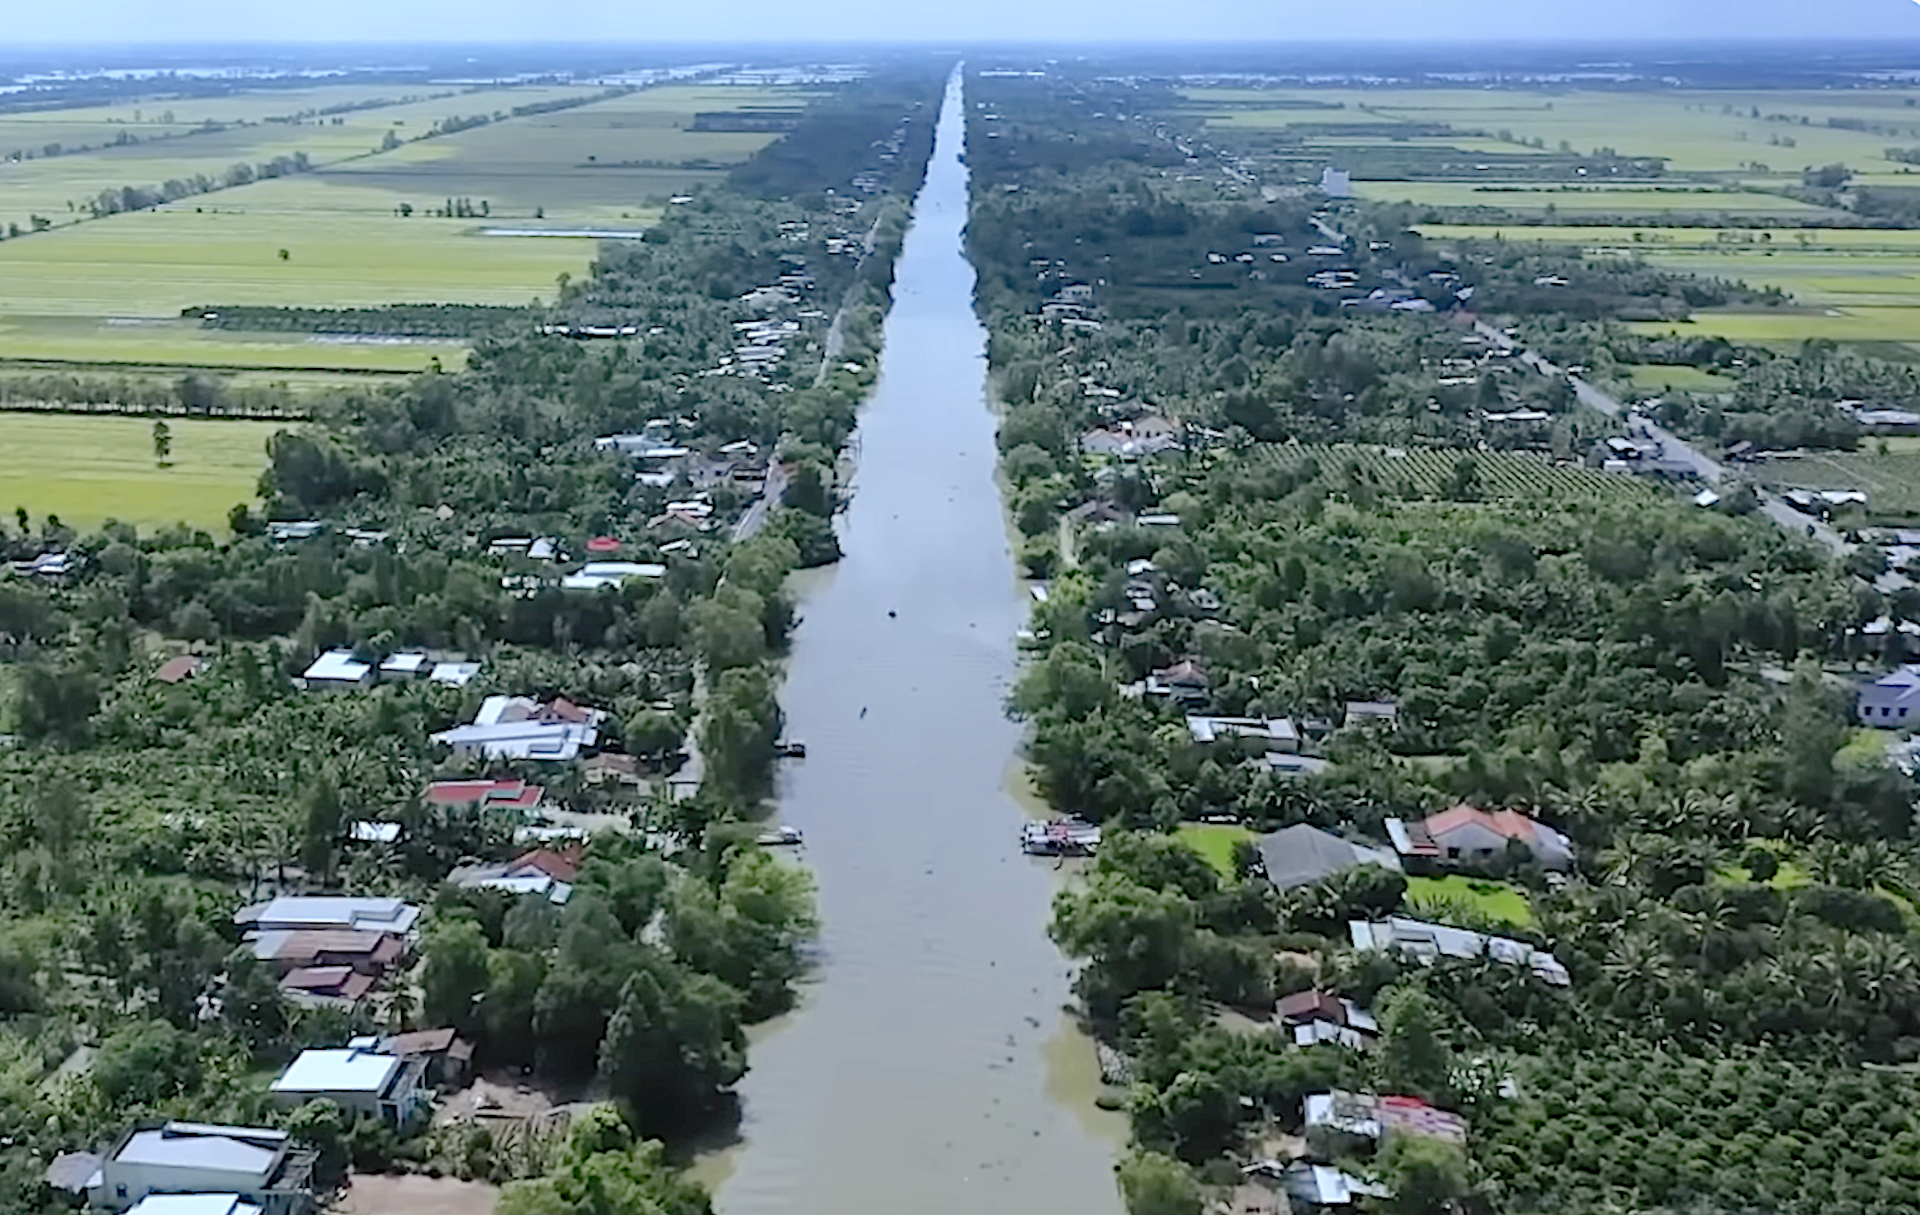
(136, 23)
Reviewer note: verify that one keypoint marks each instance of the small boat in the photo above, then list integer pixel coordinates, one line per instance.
(780, 837)
(1068, 836)
(791, 748)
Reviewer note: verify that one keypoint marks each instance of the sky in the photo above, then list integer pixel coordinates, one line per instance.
(468, 21)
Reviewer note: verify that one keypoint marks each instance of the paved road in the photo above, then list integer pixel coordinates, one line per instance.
(1678, 454)
(756, 516)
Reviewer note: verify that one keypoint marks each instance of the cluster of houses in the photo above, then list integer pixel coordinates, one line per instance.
(344, 670)
(192, 1168)
(661, 461)
(330, 951)
(1338, 1124)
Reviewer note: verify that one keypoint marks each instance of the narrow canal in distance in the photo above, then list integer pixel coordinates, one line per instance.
(916, 1075)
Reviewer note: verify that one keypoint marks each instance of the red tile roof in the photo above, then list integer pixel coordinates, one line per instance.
(498, 794)
(1510, 824)
(562, 865)
(185, 666)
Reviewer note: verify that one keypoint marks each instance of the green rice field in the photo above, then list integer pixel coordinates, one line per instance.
(1658, 378)
(1737, 241)
(1643, 197)
(346, 247)
(84, 343)
(88, 469)
(1697, 130)
(110, 292)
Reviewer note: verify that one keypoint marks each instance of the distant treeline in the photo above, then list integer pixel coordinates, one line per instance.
(462, 321)
(139, 198)
(449, 126)
(746, 120)
(193, 395)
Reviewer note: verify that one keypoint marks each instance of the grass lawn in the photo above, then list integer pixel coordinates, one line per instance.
(1656, 378)
(88, 469)
(1498, 900)
(1215, 841)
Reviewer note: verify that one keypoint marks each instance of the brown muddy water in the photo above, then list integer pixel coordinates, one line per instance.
(930, 1068)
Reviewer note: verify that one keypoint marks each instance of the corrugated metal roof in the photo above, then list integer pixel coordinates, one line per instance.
(188, 1145)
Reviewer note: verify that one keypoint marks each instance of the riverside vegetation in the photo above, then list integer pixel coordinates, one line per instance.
(1645, 674)
(141, 814)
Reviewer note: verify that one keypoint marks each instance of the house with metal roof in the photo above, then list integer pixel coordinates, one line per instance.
(1427, 942)
(258, 1167)
(364, 1083)
(1301, 855)
(337, 671)
(1891, 702)
(296, 912)
(1271, 733)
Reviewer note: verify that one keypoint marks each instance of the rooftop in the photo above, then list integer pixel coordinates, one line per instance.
(193, 1204)
(338, 1071)
(195, 1145)
(1303, 854)
(338, 666)
(329, 911)
(184, 666)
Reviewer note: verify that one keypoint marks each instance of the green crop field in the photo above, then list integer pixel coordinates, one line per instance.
(336, 237)
(1658, 378)
(59, 187)
(1891, 481)
(1641, 197)
(89, 342)
(89, 469)
(1755, 242)
(345, 247)
(1427, 472)
(1785, 327)
(597, 164)
(1698, 131)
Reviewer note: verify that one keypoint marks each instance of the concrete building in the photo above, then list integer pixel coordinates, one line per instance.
(337, 671)
(1891, 701)
(253, 1165)
(364, 1083)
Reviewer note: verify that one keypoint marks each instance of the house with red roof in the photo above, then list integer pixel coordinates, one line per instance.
(484, 794)
(1468, 836)
(545, 871)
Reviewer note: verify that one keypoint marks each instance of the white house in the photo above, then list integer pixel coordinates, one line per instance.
(453, 674)
(1275, 733)
(517, 727)
(364, 1083)
(255, 1166)
(296, 913)
(1426, 942)
(1336, 183)
(1891, 701)
(596, 574)
(337, 670)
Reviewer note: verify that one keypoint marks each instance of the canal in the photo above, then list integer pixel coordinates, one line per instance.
(925, 1068)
